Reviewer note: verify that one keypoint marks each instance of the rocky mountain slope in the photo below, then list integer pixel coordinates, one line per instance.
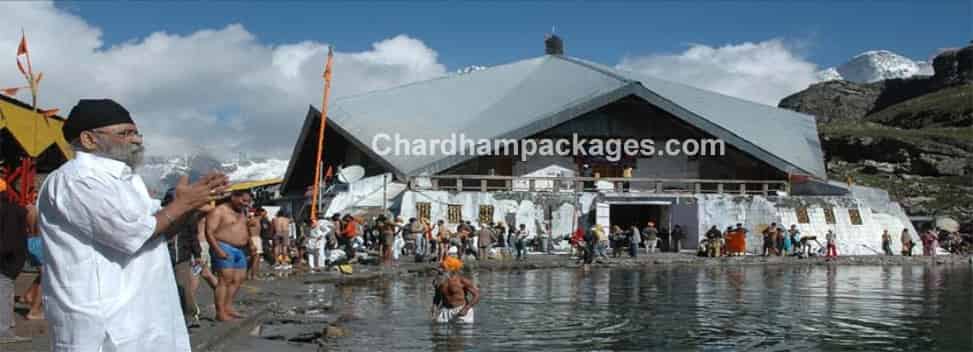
(910, 136)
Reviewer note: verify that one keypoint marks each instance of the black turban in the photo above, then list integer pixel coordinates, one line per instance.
(90, 114)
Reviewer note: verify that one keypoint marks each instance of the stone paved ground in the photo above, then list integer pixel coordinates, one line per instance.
(201, 338)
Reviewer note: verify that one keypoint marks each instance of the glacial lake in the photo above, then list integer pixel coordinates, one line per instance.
(672, 308)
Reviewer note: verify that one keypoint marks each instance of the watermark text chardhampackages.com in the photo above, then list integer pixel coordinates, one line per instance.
(611, 149)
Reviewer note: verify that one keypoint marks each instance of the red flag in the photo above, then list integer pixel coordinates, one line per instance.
(22, 48)
(10, 91)
(328, 174)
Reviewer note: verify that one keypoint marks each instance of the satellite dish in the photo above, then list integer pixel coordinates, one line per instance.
(351, 174)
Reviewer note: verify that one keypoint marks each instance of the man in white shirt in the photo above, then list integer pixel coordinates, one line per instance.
(316, 250)
(832, 244)
(108, 283)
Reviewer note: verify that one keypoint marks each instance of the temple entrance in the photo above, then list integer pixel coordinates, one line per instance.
(626, 215)
(666, 214)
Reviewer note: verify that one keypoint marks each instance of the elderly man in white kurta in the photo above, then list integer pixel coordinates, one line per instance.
(108, 281)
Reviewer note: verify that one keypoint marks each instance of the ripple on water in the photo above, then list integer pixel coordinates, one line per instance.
(706, 309)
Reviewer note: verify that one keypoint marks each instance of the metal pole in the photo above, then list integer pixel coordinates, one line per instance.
(385, 193)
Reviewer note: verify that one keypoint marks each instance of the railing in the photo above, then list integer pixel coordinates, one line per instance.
(486, 183)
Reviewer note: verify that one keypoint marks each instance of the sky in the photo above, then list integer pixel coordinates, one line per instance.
(225, 77)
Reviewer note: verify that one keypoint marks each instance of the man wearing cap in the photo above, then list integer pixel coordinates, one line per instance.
(108, 284)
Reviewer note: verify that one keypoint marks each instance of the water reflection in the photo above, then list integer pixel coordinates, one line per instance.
(808, 308)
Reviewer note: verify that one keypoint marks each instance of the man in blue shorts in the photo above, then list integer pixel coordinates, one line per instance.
(229, 239)
(35, 253)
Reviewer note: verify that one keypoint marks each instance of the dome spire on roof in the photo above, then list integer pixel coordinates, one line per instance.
(553, 45)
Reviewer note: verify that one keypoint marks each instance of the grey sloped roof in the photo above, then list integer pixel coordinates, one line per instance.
(525, 97)
(783, 138)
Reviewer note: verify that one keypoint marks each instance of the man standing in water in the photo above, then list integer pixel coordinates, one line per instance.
(455, 295)
(229, 237)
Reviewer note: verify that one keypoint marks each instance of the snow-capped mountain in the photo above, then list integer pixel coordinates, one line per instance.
(252, 170)
(829, 74)
(876, 65)
(469, 69)
(160, 173)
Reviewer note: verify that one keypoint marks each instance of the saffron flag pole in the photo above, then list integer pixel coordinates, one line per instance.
(24, 174)
(324, 119)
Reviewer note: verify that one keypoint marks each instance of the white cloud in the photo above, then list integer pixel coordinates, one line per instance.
(763, 72)
(218, 90)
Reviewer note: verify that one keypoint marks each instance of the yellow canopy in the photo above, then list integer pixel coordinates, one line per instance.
(254, 184)
(33, 132)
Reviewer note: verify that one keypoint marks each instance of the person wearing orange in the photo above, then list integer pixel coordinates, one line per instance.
(736, 241)
(455, 294)
(349, 231)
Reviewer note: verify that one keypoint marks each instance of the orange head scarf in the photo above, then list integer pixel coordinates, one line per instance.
(452, 264)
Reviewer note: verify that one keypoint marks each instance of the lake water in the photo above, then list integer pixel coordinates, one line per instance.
(769, 308)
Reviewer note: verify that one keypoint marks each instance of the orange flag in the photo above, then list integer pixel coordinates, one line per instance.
(328, 174)
(49, 112)
(10, 91)
(22, 48)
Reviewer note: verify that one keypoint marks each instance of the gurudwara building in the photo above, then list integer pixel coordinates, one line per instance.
(771, 169)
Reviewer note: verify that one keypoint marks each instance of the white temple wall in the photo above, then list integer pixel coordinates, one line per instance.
(755, 212)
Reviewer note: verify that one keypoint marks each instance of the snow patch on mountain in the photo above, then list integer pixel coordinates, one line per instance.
(161, 173)
(829, 74)
(876, 65)
(468, 69)
(254, 170)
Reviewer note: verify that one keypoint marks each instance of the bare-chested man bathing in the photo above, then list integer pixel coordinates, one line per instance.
(455, 295)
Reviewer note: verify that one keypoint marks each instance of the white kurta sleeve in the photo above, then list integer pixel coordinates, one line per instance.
(117, 220)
